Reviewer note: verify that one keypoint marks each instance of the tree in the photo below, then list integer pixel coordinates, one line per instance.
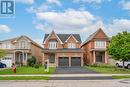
(2, 53)
(119, 48)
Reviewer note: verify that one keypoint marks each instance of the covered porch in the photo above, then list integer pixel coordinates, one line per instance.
(99, 56)
(20, 57)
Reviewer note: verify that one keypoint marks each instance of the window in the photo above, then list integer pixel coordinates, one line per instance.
(22, 44)
(52, 45)
(6, 45)
(100, 44)
(71, 45)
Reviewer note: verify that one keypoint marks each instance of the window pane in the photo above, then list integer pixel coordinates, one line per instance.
(52, 45)
(100, 44)
(71, 45)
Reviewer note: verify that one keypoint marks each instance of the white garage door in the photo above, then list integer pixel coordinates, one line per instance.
(7, 61)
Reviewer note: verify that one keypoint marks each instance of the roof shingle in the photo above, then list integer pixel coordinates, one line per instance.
(64, 37)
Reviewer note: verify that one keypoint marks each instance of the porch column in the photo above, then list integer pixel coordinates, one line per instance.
(23, 58)
(82, 62)
(14, 58)
(106, 58)
(56, 59)
(26, 58)
(94, 58)
(69, 61)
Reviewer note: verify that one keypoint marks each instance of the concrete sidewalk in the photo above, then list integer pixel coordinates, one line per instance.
(72, 75)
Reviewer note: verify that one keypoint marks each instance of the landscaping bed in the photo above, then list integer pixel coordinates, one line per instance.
(27, 70)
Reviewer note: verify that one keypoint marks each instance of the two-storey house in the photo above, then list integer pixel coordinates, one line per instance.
(95, 48)
(19, 49)
(63, 50)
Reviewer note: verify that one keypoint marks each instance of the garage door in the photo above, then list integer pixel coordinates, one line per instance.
(63, 62)
(7, 61)
(75, 61)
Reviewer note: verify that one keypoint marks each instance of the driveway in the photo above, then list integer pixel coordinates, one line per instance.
(73, 70)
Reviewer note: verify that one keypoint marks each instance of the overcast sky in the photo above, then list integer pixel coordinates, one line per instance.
(34, 18)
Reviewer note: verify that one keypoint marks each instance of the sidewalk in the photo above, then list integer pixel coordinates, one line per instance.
(73, 75)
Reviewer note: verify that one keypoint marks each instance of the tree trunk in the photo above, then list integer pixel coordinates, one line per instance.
(123, 64)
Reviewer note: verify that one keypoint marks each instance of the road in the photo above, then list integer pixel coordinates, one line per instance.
(67, 83)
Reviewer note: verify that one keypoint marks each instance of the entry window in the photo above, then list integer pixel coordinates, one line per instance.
(22, 44)
(51, 58)
(100, 44)
(71, 45)
(52, 45)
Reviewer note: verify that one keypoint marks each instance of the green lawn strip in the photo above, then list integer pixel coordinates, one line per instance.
(108, 70)
(120, 77)
(27, 70)
(24, 78)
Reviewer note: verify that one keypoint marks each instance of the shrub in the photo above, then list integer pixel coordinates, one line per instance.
(31, 61)
(36, 66)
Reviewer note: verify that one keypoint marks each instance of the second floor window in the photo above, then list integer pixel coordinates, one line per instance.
(71, 45)
(52, 45)
(22, 44)
(100, 44)
(6, 45)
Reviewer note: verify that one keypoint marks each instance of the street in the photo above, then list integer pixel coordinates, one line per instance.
(67, 83)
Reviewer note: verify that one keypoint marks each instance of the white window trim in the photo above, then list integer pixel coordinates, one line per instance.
(71, 45)
(95, 46)
(52, 45)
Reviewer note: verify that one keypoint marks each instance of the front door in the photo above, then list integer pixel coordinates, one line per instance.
(51, 58)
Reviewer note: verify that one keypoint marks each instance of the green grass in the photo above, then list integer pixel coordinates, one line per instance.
(120, 77)
(27, 70)
(24, 78)
(108, 69)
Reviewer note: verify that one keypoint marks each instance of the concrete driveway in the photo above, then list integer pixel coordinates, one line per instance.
(73, 70)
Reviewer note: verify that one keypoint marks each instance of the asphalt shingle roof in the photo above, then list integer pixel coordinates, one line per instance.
(64, 37)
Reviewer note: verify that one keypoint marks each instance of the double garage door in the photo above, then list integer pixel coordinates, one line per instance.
(64, 61)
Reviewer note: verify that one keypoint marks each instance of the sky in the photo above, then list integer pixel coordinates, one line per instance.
(34, 18)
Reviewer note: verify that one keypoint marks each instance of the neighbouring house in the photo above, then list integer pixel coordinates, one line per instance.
(95, 48)
(63, 50)
(19, 49)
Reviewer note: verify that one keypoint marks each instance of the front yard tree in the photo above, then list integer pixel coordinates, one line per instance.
(2, 53)
(119, 48)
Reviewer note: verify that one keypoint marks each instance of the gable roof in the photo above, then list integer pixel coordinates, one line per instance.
(17, 38)
(93, 35)
(64, 37)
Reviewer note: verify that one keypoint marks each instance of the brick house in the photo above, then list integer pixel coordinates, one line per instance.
(19, 49)
(95, 48)
(63, 50)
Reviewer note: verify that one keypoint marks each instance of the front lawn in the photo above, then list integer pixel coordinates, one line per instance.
(27, 70)
(120, 77)
(24, 78)
(107, 69)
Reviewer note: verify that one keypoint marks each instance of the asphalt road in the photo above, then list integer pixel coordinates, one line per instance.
(67, 83)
